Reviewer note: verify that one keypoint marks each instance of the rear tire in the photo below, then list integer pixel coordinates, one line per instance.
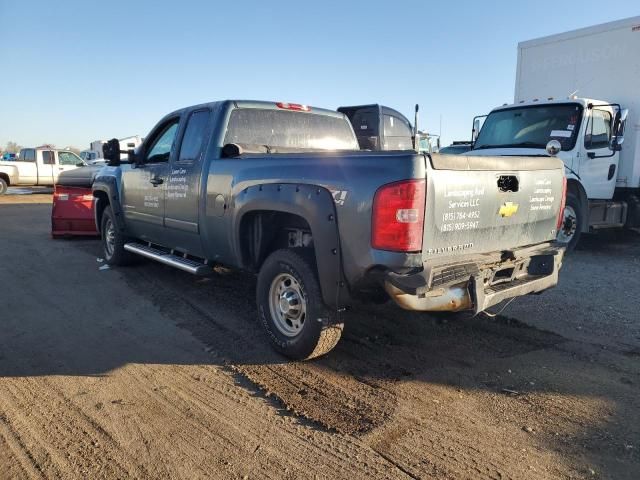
(572, 223)
(113, 241)
(3, 186)
(290, 306)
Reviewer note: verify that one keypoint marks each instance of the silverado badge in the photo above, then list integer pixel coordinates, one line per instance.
(508, 209)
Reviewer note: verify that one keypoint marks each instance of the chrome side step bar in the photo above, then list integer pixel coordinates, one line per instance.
(184, 264)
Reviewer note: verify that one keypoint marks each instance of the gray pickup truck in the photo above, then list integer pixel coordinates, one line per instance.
(284, 191)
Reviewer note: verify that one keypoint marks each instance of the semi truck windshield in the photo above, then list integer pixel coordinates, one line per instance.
(531, 127)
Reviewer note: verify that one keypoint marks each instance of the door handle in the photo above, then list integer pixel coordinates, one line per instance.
(155, 181)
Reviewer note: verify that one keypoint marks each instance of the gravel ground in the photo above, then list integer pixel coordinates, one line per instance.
(148, 372)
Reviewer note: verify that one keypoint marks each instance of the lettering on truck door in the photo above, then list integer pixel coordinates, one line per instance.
(183, 182)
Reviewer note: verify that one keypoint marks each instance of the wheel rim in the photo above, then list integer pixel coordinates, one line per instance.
(109, 238)
(569, 225)
(287, 305)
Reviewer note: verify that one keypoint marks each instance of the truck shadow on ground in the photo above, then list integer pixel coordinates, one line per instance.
(114, 317)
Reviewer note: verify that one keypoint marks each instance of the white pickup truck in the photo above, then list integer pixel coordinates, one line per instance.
(38, 166)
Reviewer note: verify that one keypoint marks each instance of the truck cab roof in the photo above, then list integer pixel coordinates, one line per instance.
(261, 104)
(584, 102)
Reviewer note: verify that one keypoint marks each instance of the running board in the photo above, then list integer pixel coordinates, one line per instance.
(181, 263)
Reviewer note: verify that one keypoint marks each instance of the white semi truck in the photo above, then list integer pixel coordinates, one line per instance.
(582, 89)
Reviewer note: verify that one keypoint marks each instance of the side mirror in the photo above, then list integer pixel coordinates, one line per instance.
(476, 130)
(111, 152)
(131, 156)
(81, 164)
(617, 138)
(615, 145)
(553, 147)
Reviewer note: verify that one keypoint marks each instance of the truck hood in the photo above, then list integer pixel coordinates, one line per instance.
(566, 157)
(508, 152)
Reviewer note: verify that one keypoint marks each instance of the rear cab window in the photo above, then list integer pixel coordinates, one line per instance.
(289, 129)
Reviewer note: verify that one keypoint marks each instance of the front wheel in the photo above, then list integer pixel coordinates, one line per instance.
(113, 240)
(571, 227)
(3, 186)
(290, 306)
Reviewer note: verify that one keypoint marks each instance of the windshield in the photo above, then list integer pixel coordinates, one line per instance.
(278, 128)
(531, 127)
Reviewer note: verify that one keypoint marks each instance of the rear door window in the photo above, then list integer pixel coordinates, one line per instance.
(48, 158)
(193, 138)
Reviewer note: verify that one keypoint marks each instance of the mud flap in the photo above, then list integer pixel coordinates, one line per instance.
(476, 290)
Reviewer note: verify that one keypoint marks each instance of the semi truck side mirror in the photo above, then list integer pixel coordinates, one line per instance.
(476, 130)
(617, 138)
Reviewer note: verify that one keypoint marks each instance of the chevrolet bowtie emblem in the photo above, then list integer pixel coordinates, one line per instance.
(508, 209)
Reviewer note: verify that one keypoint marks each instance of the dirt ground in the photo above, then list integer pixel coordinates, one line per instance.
(148, 372)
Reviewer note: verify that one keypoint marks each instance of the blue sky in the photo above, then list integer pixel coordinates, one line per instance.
(77, 71)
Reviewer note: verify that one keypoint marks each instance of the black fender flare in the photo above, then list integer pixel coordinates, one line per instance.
(108, 185)
(314, 204)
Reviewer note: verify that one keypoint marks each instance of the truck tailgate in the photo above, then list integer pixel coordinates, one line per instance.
(488, 204)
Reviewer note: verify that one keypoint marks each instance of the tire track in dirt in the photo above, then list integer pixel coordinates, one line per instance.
(16, 460)
(60, 437)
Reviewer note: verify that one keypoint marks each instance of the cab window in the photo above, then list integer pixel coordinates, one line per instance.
(193, 136)
(48, 158)
(160, 148)
(598, 130)
(68, 158)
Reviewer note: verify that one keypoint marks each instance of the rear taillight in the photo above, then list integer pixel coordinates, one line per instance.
(398, 216)
(293, 106)
(563, 201)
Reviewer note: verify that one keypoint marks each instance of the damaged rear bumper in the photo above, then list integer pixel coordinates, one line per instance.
(478, 283)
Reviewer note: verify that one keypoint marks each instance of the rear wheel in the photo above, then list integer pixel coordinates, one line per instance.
(113, 240)
(290, 306)
(571, 227)
(3, 186)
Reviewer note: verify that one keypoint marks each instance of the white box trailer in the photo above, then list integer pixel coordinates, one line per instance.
(600, 62)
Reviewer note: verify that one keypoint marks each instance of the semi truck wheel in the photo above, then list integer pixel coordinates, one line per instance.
(3, 186)
(571, 226)
(113, 241)
(290, 306)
